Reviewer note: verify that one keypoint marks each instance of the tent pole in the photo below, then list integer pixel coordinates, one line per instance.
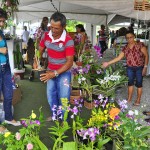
(148, 69)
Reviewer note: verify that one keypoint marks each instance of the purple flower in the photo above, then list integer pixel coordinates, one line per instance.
(117, 117)
(123, 105)
(105, 125)
(90, 133)
(75, 110)
(37, 122)
(54, 117)
(23, 122)
(129, 116)
(57, 113)
(100, 96)
(98, 50)
(96, 103)
(76, 101)
(99, 71)
(54, 108)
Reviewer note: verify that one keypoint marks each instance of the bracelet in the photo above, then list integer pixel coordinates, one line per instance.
(145, 66)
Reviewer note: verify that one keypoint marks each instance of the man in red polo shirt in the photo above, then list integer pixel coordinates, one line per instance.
(60, 49)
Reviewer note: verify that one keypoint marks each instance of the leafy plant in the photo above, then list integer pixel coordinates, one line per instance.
(135, 136)
(61, 125)
(18, 57)
(110, 82)
(78, 50)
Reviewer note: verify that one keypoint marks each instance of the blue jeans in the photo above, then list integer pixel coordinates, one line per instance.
(57, 88)
(135, 73)
(7, 90)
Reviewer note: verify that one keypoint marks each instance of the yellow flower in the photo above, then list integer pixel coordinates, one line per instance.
(7, 134)
(110, 124)
(64, 102)
(105, 111)
(33, 115)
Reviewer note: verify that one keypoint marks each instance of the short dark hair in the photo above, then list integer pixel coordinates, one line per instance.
(57, 16)
(102, 26)
(130, 32)
(3, 13)
(81, 27)
(122, 31)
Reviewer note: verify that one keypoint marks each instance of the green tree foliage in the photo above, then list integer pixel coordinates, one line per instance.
(71, 25)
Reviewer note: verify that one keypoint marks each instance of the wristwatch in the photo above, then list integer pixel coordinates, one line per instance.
(56, 73)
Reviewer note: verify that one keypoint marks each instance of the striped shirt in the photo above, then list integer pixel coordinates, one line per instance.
(57, 49)
(102, 35)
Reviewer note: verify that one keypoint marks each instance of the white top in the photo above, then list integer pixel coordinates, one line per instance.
(25, 36)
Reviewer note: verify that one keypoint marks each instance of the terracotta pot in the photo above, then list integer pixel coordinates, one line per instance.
(88, 104)
(20, 74)
(8, 3)
(75, 94)
(79, 63)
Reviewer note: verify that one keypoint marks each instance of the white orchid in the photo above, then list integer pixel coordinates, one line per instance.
(131, 113)
(136, 112)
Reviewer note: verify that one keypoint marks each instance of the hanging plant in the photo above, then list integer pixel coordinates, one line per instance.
(10, 6)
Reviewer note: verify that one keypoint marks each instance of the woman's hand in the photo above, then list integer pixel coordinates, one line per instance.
(105, 64)
(47, 76)
(144, 71)
(4, 50)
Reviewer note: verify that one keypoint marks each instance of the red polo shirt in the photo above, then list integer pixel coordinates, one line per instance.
(58, 49)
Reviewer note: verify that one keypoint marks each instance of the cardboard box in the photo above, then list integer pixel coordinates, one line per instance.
(17, 95)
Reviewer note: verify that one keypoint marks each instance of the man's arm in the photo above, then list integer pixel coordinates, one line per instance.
(50, 74)
(106, 64)
(41, 49)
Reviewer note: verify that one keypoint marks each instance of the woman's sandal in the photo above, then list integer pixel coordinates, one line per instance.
(147, 113)
(136, 104)
(147, 120)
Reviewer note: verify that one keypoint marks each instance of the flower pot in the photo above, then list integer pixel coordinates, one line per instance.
(75, 95)
(41, 72)
(8, 3)
(89, 104)
(19, 73)
(79, 63)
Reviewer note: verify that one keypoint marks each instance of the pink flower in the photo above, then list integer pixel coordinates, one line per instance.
(18, 136)
(29, 146)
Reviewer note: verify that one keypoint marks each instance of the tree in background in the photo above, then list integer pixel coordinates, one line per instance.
(71, 25)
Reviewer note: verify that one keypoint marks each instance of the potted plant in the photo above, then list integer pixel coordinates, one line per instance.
(19, 70)
(10, 4)
(78, 56)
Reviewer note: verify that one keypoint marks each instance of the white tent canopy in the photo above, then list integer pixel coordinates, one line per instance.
(121, 7)
(31, 10)
(91, 11)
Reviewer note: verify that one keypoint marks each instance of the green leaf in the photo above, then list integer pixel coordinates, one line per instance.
(70, 146)
(102, 142)
(41, 145)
